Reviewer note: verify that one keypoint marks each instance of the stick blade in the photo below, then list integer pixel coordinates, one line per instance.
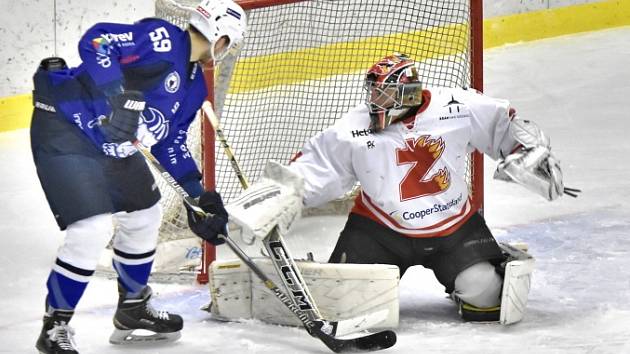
(375, 341)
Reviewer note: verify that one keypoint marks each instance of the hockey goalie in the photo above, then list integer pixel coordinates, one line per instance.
(406, 146)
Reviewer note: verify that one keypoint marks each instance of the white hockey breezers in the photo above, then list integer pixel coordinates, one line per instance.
(516, 284)
(360, 296)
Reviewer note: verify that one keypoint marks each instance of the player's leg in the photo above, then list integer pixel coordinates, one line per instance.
(135, 241)
(466, 265)
(70, 172)
(365, 241)
(70, 274)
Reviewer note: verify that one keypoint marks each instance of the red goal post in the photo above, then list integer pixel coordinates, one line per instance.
(301, 67)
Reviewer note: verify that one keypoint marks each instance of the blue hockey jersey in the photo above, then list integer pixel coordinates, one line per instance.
(151, 56)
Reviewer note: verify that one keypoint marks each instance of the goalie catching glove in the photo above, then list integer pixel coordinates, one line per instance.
(213, 224)
(532, 164)
(275, 199)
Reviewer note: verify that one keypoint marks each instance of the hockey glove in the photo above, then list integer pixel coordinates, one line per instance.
(274, 200)
(532, 164)
(210, 226)
(122, 124)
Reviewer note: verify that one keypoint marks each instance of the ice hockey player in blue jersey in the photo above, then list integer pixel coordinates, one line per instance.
(136, 81)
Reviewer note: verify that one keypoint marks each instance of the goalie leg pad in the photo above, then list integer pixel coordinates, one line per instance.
(516, 271)
(516, 284)
(341, 291)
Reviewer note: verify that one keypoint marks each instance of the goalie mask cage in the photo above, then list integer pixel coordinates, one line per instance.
(301, 67)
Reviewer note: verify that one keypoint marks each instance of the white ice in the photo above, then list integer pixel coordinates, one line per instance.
(578, 90)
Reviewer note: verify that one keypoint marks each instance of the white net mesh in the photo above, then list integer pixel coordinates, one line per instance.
(302, 66)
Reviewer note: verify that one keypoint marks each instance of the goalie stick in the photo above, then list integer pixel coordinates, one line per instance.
(318, 328)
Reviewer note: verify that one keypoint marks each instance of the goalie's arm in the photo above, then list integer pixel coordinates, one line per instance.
(523, 149)
(320, 173)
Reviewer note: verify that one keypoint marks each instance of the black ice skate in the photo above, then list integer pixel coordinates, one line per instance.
(138, 314)
(56, 335)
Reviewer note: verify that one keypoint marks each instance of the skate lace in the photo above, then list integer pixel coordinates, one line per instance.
(161, 314)
(62, 334)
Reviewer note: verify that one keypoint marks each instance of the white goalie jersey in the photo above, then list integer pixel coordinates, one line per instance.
(412, 173)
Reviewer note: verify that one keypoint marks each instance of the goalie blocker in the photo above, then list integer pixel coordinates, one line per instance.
(358, 291)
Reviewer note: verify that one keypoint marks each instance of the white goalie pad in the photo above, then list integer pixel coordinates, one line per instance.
(275, 199)
(516, 284)
(367, 293)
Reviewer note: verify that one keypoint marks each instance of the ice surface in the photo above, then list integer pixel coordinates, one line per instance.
(576, 88)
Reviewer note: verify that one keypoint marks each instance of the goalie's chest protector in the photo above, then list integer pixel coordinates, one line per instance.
(413, 173)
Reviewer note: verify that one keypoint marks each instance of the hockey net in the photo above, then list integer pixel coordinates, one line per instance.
(302, 67)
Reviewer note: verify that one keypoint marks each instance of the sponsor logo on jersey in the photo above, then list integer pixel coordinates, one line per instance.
(454, 108)
(121, 39)
(155, 122)
(436, 208)
(103, 60)
(359, 133)
(95, 122)
(118, 37)
(171, 83)
(193, 72)
(175, 107)
(77, 120)
(101, 45)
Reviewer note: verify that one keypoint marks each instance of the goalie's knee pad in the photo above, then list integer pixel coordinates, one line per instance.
(479, 285)
(517, 271)
(477, 293)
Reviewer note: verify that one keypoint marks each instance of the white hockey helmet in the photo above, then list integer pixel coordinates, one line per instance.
(218, 18)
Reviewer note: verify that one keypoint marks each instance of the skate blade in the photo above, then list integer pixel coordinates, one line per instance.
(127, 336)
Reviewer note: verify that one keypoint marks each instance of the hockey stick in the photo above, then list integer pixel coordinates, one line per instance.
(318, 328)
(301, 303)
(275, 245)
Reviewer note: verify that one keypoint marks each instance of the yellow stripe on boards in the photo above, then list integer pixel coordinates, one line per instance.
(15, 112)
(278, 69)
(555, 22)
